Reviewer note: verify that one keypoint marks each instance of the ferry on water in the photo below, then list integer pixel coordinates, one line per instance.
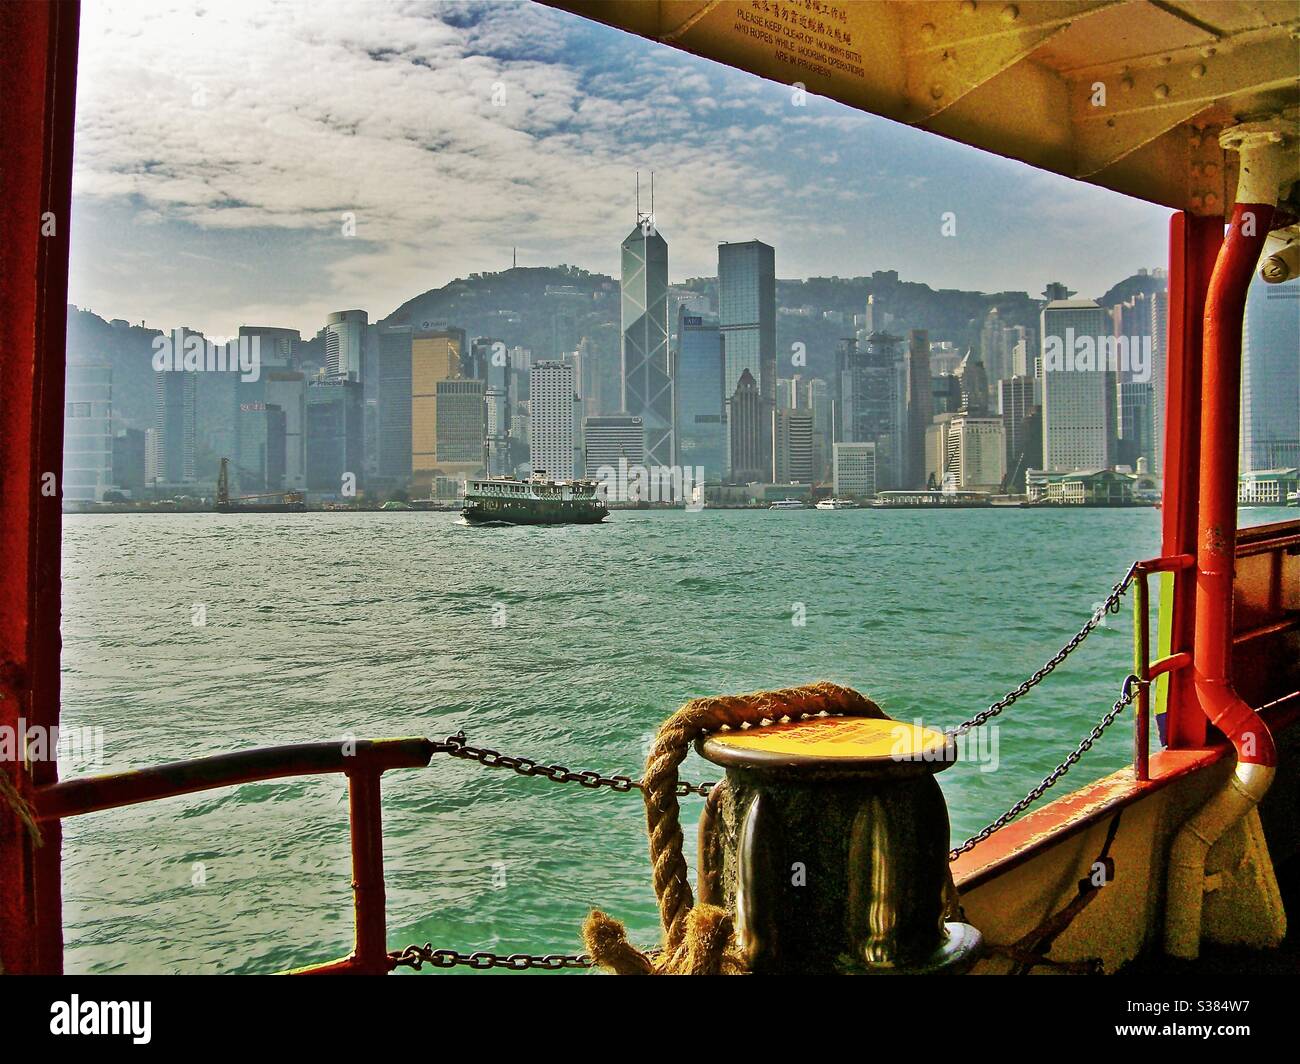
(1185, 860)
(787, 504)
(539, 500)
(837, 504)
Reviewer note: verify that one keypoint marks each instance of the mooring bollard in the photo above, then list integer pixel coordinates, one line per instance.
(829, 845)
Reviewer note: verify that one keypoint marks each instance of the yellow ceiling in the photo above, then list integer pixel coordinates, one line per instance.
(1126, 94)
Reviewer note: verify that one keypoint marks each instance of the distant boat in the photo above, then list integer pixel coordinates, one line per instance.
(837, 504)
(788, 504)
(1293, 498)
(535, 501)
(396, 504)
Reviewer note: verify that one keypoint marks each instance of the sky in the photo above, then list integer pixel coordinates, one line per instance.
(267, 163)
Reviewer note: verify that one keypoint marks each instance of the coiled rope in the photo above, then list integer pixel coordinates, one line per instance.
(699, 939)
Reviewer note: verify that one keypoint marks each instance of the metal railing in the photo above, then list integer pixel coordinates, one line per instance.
(362, 761)
(1147, 670)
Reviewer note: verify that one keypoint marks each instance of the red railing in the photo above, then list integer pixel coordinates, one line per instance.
(1146, 669)
(1275, 540)
(362, 761)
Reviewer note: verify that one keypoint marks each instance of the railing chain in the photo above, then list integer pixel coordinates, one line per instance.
(1131, 686)
(417, 957)
(458, 746)
(1110, 605)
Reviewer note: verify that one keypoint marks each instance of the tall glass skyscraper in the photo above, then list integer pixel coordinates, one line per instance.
(701, 439)
(175, 422)
(647, 379)
(747, 319)
(1270, 377)
(1078, 389)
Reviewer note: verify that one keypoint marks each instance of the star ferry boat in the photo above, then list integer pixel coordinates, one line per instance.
(539, 500)
(1198, 837)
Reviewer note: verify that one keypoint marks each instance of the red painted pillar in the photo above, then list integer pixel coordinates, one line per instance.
(1216, 552)
(1193, 247)
(38, 65)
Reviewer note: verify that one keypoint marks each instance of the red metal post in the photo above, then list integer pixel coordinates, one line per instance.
(1217, 525)
(1193, 246)
(38, 65)
(370, 955)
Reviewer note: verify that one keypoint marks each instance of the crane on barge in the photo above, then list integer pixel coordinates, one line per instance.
(287, 502)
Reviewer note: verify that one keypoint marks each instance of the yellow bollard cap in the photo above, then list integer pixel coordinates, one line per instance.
(832, 742)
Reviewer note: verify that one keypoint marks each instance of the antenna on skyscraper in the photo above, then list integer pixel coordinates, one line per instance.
(646, 221)
(514, 258)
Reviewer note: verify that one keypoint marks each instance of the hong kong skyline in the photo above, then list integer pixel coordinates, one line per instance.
(225, 155)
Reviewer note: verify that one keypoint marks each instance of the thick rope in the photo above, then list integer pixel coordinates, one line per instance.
(698, 940)
(19, 807)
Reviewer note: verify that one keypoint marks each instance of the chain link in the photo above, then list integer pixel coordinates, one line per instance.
(458, 746)
(1131, 687)
(417, 957)
(1110, 605)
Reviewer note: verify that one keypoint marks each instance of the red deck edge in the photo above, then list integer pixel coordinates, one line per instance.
(1037, 832)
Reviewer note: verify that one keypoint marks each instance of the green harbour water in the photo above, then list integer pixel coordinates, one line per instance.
(564, 644)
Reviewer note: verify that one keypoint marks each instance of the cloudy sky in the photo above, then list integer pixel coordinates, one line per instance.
(220, 146)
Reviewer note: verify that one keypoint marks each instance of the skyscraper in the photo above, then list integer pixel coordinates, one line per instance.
(701, 436)
(747, 319)
(175, 423)
(1078, 389)
(1021, 428)
(393, 398)
(345, 337)
(87, 432)
(647, 380)
(462, 426)
(1159, 376)
(609, 438)
(871, 398)
(792, 445)
(435, 356)
(1270, 377)
(551, 427)
(287, 389)
(275, 346)
(129, 462)
(750, 460)
(334, 431)
(260, 457)
(813, 394)
(976, 453)
(920, 406)
(1135, 419)
(493, 358)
